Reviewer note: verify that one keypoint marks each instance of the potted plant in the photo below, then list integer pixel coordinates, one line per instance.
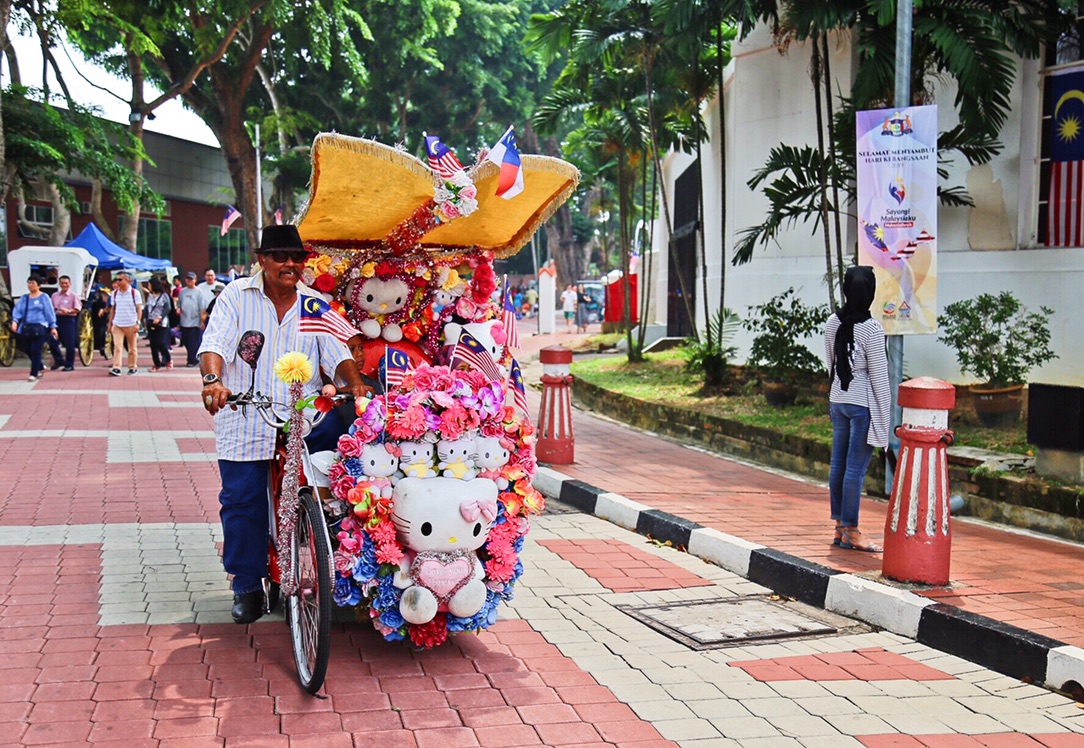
(998, 340)
(779, 325)
(709, 355)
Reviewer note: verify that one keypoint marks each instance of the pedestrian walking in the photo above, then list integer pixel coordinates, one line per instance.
(99, 317)
(193, 317)
(33, 319)
(67, 306)
(583, 302)
(568, 305)
(207, 288)
(156, 319)
(124, 314)
(859, 403)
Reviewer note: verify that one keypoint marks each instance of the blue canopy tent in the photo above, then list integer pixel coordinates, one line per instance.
(112, 256)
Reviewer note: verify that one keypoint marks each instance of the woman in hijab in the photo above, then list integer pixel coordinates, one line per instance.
(859, 404)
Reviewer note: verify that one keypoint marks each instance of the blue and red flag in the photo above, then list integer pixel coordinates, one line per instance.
(470, 351)
(508, 317)
(505, 154)
(441, 158)
(317, 317)
(1065, 196)
(519, 394)
(396, 366)
(232, 214)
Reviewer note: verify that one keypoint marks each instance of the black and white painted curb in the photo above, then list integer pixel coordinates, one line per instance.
(998, 646)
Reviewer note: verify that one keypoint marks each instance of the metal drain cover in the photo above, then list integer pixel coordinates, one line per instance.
(707, 624)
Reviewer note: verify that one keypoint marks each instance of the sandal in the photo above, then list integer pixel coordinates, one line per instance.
(839, 535)
(848, 544)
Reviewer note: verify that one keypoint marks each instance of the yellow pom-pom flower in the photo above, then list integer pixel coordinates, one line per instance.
(368, 270)
(293, 367)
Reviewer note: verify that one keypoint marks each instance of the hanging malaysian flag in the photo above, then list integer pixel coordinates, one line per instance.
(505, 154)
(508, 317)
(469, 351)
(1065, 211)
(232, 214)
(278, 216)
(317, 316)
(396, 366)
(519, 394)
(441, 158)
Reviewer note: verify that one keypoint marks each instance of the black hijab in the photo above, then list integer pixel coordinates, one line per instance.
(859, 286)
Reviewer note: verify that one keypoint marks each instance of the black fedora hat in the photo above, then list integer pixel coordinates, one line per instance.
(280, 237)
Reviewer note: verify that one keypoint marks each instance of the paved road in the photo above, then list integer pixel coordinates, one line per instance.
(115, 627)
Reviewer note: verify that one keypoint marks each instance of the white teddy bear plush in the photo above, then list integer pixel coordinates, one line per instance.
(417, 460)
(489, 458)
(442, 522)
(377, 298)
(456, 458)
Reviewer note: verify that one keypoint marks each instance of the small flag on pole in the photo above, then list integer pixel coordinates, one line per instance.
(441, 158)
(505, 154)
(469, 351)
(278, 216)
(396, 366)
(317, 316)
(232, 214)
(519, 395)
(508, 317)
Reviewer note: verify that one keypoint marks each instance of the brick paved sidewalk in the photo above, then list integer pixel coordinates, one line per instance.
(1019, 578)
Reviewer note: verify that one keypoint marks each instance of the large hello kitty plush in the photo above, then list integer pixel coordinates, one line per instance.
(456, 458)
(416, 460)
(442, 522)
(490, 456)
(373, 299)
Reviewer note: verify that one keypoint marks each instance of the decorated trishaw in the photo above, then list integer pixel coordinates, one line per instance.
(50, 263)
(427, 500)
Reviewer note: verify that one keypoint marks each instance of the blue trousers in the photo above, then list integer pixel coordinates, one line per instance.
(850, 458)
(66, 331)
(34, 347)
(245, 511)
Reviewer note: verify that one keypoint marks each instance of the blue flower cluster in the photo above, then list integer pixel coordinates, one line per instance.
(353, 467)
(367, 565)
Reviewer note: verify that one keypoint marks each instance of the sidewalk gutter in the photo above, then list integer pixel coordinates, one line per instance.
(999, 646)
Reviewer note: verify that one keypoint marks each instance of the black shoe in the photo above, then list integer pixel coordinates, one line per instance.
(69, 368)
(247, 607)
(56, 365)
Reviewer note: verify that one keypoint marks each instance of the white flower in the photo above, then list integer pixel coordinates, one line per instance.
(442, 195)
(466, 207)
(460, 179)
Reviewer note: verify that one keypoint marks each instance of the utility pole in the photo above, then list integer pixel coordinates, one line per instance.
(904, 10)
(259, 188)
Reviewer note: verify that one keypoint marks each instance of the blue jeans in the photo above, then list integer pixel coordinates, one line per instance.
(245, 510)
(850, 458)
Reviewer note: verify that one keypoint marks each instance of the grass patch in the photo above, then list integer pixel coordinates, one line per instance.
(661, 378)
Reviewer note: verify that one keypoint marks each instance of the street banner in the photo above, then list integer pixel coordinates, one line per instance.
(897, 214)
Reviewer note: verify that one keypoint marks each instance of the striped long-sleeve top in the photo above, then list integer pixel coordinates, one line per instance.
(869, 387)
(242, 306)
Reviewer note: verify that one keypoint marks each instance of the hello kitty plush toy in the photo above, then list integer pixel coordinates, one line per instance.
(442, 522)
(372, 300)
(416, 460)
(490, 457)
(378, 464)
(456, 458)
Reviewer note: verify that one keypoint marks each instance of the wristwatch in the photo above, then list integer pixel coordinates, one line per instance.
(209, 379)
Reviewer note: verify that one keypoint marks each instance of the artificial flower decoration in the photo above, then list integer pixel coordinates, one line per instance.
(293, 368)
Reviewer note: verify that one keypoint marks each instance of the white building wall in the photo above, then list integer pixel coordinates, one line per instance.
(769, 100)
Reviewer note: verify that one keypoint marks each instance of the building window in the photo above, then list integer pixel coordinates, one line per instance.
(154, 238)
(40, 216)
(1061, 154)
(231, 249)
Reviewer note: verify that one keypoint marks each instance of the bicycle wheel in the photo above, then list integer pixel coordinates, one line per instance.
(7, 338)
(308, 610)
(86, 338)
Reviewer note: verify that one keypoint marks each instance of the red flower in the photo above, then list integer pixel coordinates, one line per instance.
(431, 634)
(324, 283)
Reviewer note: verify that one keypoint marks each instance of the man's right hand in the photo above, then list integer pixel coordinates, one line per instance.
(215, 396)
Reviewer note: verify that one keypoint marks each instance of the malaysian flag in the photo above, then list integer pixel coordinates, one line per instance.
(469, 351)
(317, 316)
(396, 366)
(278, 216)
(519, 394)
(441, 158)
(232, 214)
(508, 317)
(1065, 206)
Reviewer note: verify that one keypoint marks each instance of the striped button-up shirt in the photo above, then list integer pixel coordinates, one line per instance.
(244, 306)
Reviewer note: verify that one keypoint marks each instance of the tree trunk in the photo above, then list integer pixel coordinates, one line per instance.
(562, 241)
(5, 43)
(62, 217)
(647, 263)
(624, 208)
(722, 165)
(832, 157)
(702, 243)
(816, 74)
(96, 213)
(129, 232)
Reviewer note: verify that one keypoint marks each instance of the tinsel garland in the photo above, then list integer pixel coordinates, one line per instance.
(288, 499)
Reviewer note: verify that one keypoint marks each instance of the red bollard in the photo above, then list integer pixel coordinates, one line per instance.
(918, 532)
(556, 444)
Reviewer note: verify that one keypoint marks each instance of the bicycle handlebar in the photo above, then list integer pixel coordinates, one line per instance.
(265, 406)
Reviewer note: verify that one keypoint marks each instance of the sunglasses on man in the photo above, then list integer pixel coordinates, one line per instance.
(282, 255)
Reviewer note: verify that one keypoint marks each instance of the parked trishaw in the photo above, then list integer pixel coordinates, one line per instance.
(418, 518)
(50, 263)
